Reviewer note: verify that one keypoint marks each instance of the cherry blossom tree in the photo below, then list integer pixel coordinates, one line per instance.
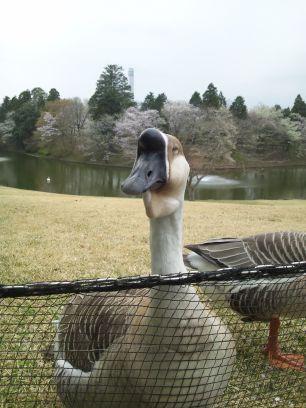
(133, 122)
(49, 130)
(6, 130)
(182, 118)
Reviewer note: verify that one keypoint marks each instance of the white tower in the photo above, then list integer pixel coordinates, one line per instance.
(131, 79)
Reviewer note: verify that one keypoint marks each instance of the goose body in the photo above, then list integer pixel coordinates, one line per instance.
(263, 300)
(159, 347)
(162, 355)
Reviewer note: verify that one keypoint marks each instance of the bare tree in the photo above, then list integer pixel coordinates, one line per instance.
(60, 128)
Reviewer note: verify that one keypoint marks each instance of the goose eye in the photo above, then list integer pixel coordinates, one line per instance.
(175, 149)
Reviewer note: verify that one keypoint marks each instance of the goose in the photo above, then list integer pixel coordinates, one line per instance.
(160, 347)
(264, 300)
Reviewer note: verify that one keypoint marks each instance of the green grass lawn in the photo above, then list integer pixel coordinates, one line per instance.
(57, 237)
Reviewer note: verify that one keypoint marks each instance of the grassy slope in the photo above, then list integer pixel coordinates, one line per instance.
(49, 237)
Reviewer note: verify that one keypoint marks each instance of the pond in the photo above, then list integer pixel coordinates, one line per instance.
(56, 176)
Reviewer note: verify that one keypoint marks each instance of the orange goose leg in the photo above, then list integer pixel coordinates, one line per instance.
(276, 358)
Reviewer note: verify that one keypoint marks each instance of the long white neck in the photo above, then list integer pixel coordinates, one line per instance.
(171, 306)
(166, 242)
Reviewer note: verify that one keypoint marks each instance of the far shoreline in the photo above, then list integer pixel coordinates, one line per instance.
(256, 164)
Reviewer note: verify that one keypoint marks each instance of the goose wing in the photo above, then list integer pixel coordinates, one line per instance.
(90, 323)
(269, 248)
(285, 296)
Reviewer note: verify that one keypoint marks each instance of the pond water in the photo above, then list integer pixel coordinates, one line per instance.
(56, 176)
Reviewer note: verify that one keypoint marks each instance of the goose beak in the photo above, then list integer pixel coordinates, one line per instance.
(148, 173)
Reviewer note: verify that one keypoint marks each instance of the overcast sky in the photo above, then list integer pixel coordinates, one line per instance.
(252, 48)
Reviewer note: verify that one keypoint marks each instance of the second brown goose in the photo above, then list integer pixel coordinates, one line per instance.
(264, 300)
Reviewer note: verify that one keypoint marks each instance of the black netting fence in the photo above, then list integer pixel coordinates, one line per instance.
(194, 340)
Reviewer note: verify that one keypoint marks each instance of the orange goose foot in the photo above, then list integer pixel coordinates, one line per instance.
(278, 359)
(286, 361)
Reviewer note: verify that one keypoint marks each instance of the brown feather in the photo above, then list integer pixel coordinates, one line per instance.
(270, 248)
(91, 322)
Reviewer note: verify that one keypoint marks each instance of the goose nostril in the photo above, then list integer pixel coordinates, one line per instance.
(149, 173)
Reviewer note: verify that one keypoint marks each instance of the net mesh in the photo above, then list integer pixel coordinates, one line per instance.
(194, 340)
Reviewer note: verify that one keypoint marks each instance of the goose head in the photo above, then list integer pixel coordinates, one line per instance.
(160, 173)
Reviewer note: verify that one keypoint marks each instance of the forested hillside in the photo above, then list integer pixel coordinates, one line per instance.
(104, 128)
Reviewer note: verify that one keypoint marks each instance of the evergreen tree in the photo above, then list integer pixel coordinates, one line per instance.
(24, 97)
(277, 107)
(113, 94)
(54, 95)
(149, 102)
(238, 108)
(286, 112)
(196, 99)
(211, 97)
(25, 118)
(39, 97)
(4, 108)
(6, 103)
(299, 106)
(222, 99)
(160, 101)
(14, 104)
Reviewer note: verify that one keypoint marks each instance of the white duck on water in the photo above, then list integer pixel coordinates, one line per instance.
(159, 347)
(264, 300)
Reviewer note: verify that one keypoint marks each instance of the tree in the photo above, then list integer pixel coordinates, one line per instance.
(211, 98)
(39, 97)
(299, 106)
(160, 101)
(301, 123)
(208, 137)
(152, 103)
(14, 104)
(196, 99)
(277, 136)
(113, 94)
(286, 112)
(148, 102)
(70, 115)
(4, 108)
(24, 97)
(6, 130)
(181, 120)
(222, 99)
(54, 95)
(25, 118)
(216, 140)
(238, 108)
(132, 123)
(61, 127)
(49, 130)
(99, 138)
